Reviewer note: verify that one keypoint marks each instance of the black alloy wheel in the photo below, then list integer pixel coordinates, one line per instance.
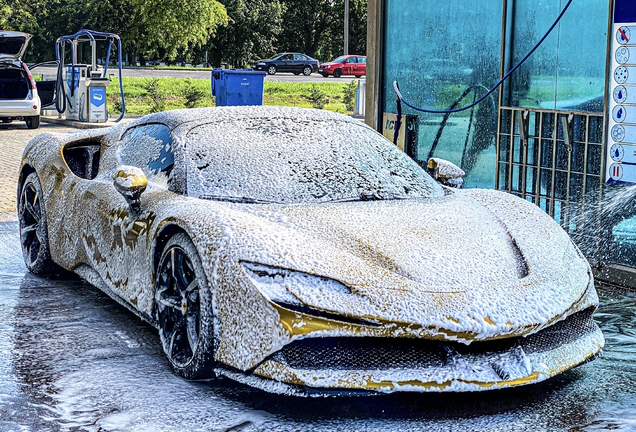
(271, 69)
(182, 306)
(34, 237)
(307, 70)
(337, 73)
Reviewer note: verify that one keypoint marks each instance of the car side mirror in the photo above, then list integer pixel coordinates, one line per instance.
(445, 172)
(131, 182)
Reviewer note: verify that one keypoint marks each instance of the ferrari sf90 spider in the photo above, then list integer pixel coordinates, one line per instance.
(264, 250)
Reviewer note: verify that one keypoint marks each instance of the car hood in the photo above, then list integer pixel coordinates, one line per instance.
(329, 64)
(468, 266)
(13, 45)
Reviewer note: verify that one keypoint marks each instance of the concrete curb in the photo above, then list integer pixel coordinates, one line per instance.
(73, 124)
(82, 125)
(8, 217)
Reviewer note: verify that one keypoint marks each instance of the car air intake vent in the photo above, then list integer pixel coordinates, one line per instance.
(360, 353)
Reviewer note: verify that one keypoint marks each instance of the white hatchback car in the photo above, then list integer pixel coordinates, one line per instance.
(19, 95)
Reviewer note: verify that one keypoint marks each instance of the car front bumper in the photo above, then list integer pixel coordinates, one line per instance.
(350, 365)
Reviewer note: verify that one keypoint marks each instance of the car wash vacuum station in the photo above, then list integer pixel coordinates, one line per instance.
(82, 84)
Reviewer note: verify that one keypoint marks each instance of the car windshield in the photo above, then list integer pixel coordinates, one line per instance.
(299, 160)
(339, 59)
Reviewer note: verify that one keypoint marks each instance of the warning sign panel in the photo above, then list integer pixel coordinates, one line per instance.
(621, 121)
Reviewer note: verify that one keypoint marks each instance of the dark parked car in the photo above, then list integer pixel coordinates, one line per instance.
(288, 62)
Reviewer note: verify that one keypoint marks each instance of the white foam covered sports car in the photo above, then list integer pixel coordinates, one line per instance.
(265, 250)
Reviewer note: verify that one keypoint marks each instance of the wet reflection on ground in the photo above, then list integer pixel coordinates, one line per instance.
(72, 359)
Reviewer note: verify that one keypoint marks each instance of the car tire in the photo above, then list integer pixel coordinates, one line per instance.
(34, 234)
(324, 75)
(337, 73)
(271, 69)
(296, 73)
(307, 70)
(184, 310)
(358, 76)
(33, 122)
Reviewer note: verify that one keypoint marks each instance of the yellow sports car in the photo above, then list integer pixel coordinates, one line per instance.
(267, 251)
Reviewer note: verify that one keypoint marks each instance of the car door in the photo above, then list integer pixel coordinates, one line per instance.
(299, 62)
(349, 67)
(284, 63)
(45, 75)
(120, 237)
(361, 66)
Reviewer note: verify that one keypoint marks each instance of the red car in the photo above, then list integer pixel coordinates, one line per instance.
(345, 65)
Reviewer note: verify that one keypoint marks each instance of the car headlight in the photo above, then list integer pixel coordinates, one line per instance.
(326, 67)
(572, 253)
(260, 64)
(274, 283)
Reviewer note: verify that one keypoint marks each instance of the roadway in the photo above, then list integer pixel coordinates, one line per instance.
(203, 74)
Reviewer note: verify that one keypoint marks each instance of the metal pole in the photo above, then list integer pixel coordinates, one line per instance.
(94, 54)
(346, 27)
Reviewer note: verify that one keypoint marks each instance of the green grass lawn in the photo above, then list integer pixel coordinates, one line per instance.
(171, 93)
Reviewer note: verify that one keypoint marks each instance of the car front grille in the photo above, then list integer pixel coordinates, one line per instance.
(364, 353)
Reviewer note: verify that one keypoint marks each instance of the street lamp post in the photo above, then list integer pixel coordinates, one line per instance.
(346, 27)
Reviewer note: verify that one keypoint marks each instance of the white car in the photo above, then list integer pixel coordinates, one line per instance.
(19, 96)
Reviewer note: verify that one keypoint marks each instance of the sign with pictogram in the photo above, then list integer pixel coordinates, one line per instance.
(621, 121)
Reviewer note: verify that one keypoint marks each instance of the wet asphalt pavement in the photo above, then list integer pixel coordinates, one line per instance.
(72, 359)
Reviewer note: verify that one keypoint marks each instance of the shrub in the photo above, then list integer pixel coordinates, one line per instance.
(157, 101)
(349, 97)
(316, 97)
(115, 104)
(192, 95)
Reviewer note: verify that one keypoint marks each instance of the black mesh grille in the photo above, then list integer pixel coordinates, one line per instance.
(355, 353)
(563, 332)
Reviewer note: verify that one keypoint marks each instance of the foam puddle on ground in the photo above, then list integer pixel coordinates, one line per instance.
(72, 359)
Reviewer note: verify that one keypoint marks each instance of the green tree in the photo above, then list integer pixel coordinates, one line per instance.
(251, 33)
(146, 27)
(357, 27)
(306, 23)
(317, 27)
(5, 13)
(169, 25)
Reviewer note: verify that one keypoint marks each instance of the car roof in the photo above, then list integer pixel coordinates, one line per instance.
(194, 117)
(13, 44)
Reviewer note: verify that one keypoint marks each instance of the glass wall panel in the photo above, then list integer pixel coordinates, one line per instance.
(567, 72)
(437, 51)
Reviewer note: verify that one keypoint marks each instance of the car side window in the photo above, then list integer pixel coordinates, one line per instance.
(362, 59)
(352, 60)
(151, 148)
(300, 57)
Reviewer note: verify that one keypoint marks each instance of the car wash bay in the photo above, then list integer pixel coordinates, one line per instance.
(73, 359)
(545, 134)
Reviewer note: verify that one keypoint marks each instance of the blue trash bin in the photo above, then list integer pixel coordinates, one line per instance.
(234, 87)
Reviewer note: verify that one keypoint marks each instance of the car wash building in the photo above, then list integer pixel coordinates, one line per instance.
(559, 131)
